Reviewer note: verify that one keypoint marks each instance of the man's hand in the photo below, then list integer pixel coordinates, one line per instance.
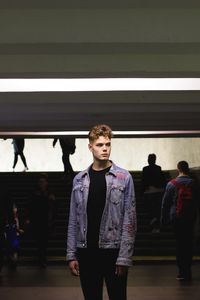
(121, 270)
(74, 267)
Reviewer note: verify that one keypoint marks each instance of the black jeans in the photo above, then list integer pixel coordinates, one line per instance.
(184, 246)
(40, 236)
(97, 266)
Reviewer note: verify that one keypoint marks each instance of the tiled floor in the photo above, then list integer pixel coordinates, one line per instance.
(153, 281)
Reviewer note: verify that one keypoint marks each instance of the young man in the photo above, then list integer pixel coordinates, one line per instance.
(102, 222)
(179, 207)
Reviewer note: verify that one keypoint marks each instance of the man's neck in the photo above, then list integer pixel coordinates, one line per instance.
(182, 174)
(101, 165)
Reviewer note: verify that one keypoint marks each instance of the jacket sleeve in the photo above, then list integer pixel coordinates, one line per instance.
(168, 205)
(129, 225)
(72, 228)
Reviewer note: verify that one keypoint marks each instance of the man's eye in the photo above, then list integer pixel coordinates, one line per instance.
(101, 145)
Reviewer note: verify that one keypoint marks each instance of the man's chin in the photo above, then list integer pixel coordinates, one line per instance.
(103, 159)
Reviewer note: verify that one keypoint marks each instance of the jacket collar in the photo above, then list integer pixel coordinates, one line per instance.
(113, 170)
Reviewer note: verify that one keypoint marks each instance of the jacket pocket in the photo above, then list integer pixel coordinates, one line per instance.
(117, 194)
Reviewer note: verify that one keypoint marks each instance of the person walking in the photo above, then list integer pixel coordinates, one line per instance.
(18, 145)
(102, 222)
(68, 147)
(41, 213)
(179, 207)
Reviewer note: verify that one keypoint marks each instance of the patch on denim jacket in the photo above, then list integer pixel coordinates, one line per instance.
(121, 176)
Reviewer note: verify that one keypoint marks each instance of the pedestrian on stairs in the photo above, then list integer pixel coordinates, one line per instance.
(179, 208)
(41, 215)
(152, 186)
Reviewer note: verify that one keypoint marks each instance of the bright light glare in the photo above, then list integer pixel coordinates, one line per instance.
(98, 84)
(116, 133)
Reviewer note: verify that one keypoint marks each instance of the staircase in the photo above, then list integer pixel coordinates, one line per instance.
(147, 244)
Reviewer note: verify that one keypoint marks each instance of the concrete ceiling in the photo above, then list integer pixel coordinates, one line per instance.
(65, 39)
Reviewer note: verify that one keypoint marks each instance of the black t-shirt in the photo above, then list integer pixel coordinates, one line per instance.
(95, 205)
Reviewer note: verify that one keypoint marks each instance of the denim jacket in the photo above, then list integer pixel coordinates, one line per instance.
(169, 200)
(118, 224)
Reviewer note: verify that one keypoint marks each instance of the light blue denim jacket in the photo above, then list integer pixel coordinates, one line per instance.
(118, 224)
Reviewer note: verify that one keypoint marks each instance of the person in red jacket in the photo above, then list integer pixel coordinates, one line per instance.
(182, 217)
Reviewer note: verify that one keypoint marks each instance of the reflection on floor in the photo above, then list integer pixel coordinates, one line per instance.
(150, 281)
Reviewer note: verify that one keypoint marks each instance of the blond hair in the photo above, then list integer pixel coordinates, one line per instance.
(100, 130)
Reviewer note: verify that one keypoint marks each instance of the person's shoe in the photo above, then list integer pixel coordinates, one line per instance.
(25, 169)
(42, 264)
(180, 277)
(153, 221)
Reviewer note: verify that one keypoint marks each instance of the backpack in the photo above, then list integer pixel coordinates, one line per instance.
(11, 236)
(185, 206)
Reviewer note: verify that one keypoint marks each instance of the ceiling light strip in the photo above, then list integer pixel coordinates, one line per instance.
(116, 133)
(98, 84)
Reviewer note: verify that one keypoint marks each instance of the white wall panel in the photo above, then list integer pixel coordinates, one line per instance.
(129, 153)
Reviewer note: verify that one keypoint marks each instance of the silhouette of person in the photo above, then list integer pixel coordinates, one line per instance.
(153, 184)
(68, 147)
(182, 216)
(12, 234)
(5, 214)
(41, 215)
(18, 145)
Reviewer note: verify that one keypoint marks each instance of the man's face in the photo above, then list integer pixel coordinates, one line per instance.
(42, 184)
(101, 148)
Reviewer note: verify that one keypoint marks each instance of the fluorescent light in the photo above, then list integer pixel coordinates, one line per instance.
(98, 84)
(116, 133)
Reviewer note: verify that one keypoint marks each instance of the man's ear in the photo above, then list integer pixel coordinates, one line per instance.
(90, 147)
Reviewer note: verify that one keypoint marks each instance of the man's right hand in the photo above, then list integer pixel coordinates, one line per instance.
(74, 267)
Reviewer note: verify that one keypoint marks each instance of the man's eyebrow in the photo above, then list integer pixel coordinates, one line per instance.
(101, 144)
